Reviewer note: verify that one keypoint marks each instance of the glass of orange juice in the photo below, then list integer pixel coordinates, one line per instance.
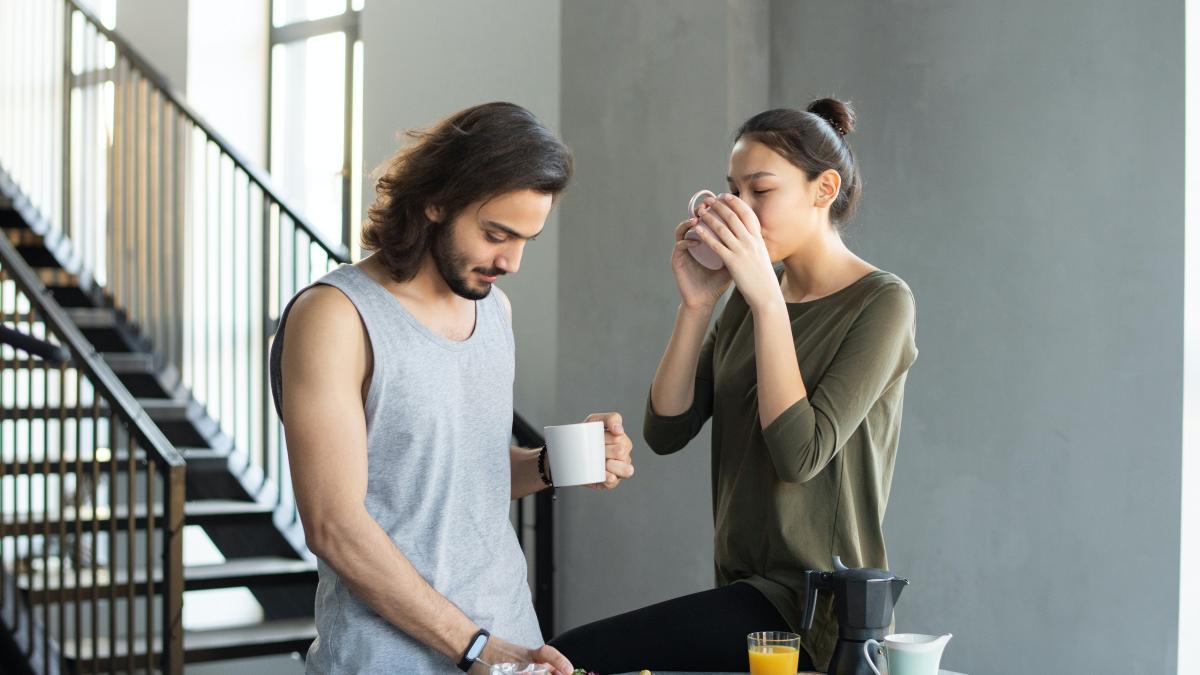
(773, 653)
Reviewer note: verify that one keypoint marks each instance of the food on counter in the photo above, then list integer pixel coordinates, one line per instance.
(582, 671)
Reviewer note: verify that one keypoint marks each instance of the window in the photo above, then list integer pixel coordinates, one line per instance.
(315, 111)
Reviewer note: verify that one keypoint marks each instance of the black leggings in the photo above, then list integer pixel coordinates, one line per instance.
(704, 631)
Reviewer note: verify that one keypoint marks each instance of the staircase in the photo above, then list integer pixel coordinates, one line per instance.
(136, 239)
(222, 494)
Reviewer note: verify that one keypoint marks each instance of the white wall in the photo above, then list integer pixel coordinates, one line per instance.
(227, 78)
(214, 52)
(425, 60)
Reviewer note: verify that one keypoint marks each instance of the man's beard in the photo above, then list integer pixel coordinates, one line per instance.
(452, 264)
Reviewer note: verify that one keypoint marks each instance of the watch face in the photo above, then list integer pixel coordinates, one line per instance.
(477, 647)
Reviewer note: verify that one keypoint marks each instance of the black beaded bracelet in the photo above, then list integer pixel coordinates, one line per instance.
(542, 468)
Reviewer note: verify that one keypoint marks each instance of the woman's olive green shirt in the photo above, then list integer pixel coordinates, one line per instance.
(814, 483)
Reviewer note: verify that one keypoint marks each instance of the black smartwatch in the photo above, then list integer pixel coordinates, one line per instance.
(474, 649)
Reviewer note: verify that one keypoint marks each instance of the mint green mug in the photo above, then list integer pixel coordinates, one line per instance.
(908, 653)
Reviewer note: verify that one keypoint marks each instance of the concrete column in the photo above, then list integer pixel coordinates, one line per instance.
(651, 95)
(424, 61)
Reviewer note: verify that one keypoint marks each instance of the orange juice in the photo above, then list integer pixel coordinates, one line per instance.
(774, 660)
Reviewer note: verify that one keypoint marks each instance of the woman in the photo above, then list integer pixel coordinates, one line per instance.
(803, 375)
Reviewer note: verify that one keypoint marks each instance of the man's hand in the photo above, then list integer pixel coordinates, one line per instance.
(502, 651)
(618, 450)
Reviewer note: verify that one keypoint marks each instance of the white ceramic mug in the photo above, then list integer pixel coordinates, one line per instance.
(576, 453)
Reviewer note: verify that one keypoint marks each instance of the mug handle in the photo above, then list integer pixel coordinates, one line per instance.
(868, 646)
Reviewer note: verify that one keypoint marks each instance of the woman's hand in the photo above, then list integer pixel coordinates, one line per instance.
(733, 232)
(699, 286)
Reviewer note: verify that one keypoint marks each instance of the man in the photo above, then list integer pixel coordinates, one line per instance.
(395, 389)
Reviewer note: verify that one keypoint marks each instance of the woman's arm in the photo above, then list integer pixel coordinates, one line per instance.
(876, 353)
(733, 233)
(681, 396)
(780, 384)
(674, 382)
(803, 435)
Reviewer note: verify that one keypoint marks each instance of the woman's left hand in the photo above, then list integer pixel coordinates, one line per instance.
(732, 231)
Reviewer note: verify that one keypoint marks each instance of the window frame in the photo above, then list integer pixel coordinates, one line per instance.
(348, 23)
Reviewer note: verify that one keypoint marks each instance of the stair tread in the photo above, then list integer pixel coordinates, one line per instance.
(167, 409)
(159, 409)
(199, 510)
(229, 574)
(92, 317)
(51, 276)
(130, 362)
(84, 317)
(249, 568)
(38, 465)
(213, 641)
(23, 237)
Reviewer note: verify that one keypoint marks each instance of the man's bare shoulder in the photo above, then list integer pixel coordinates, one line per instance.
(323, 318)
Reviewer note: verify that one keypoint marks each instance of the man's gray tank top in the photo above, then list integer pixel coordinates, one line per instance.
(439, 423)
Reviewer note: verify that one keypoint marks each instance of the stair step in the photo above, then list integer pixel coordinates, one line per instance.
(93, 317)
(32, 247)
(159, 409)
(86, 318)
(9, 218)
(209, 512)
(166, 409)
(23, 237)
(229, 574)
(270, 637)
(130, 363)
(66, 464)
(198, 459)
(204, 460)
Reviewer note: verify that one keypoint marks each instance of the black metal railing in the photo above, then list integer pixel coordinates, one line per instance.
(159, 213)
(535, 530)
(91, 500)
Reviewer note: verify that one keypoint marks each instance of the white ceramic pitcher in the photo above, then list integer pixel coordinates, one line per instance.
(909, 653)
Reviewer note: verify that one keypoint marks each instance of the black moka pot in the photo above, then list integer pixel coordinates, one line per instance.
(863, 600)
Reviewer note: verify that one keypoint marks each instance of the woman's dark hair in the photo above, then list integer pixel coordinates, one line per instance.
(814, 140)
(472, 155)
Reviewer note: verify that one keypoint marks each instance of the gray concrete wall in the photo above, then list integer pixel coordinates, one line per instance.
(651, 93)
(425, 60)
(1023, 165)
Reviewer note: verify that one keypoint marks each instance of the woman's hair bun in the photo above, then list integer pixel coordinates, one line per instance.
(839, 114)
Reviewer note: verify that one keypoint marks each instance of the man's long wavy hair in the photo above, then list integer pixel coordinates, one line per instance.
(471, 156)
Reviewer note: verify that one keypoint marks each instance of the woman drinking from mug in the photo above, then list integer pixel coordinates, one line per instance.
(803, 376)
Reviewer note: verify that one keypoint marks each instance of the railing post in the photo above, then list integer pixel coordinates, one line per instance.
(544, 552)
(172, 620)
(67, 75)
